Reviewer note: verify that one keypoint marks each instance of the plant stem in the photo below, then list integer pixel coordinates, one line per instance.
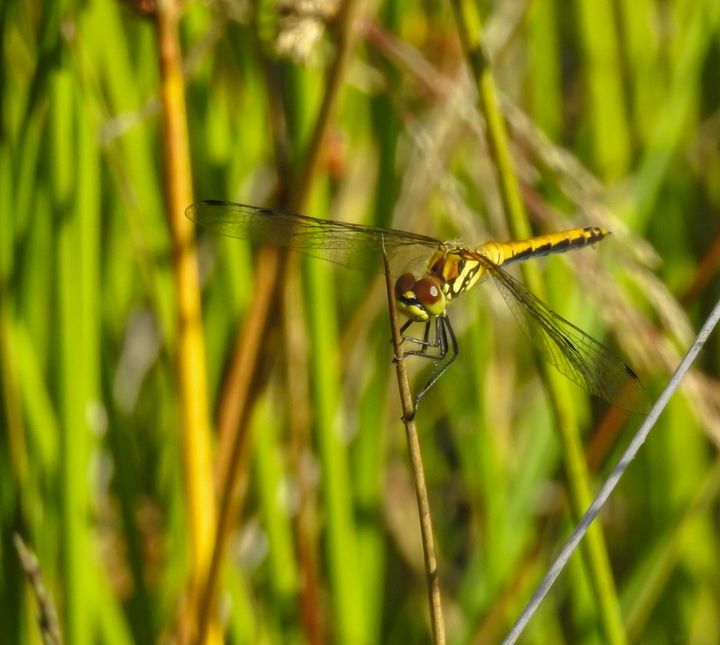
(247, 364)
(192, 394)
(426, 530)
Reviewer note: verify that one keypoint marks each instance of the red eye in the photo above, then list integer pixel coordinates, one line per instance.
(405, 283)
(427, 291)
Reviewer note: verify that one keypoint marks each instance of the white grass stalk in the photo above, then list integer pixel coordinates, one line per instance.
(612, 480)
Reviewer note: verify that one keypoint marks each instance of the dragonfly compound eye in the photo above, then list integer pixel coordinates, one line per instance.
(407, 301)
(419, 299)
(430, 295)
(404, 285)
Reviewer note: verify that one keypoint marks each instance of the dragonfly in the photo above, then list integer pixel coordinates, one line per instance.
(434, 274)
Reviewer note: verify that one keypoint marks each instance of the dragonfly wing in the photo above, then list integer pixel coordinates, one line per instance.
(352, 245)
(581, 358)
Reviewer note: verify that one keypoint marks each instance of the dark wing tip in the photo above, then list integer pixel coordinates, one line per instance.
(191, 212)
(223, 206)
(632, 374)
(213, 202)
(632, 396)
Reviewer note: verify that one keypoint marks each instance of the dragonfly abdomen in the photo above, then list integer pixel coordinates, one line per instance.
(506, 252)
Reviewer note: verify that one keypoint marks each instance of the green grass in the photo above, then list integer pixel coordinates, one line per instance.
(325, 543)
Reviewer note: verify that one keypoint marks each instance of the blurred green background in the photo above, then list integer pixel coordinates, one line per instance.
(613, 110)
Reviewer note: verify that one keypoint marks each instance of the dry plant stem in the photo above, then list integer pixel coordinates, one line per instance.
(233, 411)
(306, 525)
(190, 348)
(233, 420)
(248, 360)
(47, 620)
(242, 371)
(406, 400)
(308, 171)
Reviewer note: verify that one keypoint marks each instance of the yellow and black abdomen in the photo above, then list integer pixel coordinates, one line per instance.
(576, 238)
(459, 268)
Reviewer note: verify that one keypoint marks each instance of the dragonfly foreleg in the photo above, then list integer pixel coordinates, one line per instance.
(446, 340)
(426, 344)
(442, 348)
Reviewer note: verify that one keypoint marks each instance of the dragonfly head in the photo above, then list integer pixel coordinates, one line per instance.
(420, 299)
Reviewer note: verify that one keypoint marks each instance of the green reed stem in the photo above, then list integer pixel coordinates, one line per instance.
(470, 29)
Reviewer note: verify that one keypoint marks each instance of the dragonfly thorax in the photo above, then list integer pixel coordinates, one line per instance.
(420, 299)
(458, 269)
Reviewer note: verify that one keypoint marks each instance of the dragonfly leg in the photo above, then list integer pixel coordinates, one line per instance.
(441, 336)
(403, 338)
(448, 344)
(403, 329)
(426, 344)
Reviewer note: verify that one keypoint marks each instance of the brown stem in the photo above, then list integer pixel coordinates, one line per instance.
(250, 359)
(408, 408)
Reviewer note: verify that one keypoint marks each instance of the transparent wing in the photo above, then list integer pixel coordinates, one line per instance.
(352, 245)
(581, 358)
